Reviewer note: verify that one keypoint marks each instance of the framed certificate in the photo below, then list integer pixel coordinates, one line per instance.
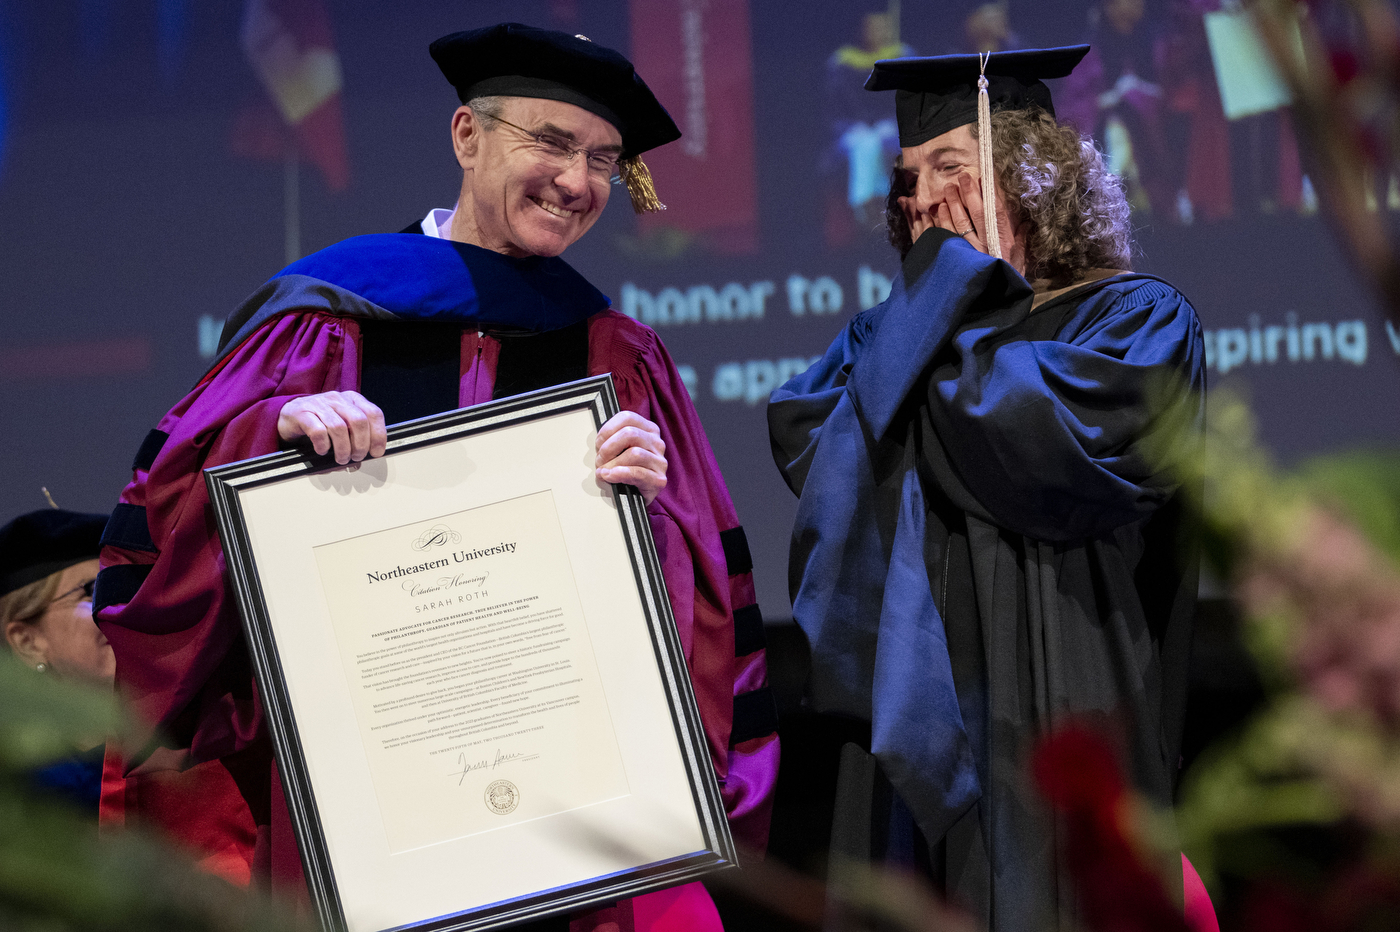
(470, 671)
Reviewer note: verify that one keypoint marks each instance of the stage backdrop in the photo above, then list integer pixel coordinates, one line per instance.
(159, 159)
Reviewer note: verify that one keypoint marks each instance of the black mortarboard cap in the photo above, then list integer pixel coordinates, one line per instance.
(523, 61)
(42, 542)
(939, 93)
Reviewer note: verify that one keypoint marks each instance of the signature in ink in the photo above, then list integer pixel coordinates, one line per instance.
(502, 757)
(467, 767)
(508, 757)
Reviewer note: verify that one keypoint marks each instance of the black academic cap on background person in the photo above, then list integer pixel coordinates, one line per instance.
(513, 60)
(40, 543)
(939, 93)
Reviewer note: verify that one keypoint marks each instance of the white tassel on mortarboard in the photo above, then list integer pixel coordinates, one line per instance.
(992, 239)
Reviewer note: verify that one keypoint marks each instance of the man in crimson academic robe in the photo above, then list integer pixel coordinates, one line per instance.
(471, 304)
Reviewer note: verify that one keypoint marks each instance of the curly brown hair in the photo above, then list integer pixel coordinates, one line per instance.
(1057, 179)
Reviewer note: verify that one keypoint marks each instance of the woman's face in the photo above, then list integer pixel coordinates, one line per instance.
(66, 638)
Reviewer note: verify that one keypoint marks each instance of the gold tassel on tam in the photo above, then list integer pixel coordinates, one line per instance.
(992, 239)
(639, 185)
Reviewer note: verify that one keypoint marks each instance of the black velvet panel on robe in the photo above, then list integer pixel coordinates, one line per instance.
(530, 361)
(410, 369)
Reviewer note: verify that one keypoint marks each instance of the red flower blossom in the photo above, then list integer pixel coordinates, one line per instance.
(1078, 773)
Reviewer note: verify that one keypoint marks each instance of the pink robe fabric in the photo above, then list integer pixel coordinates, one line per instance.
(182, 664)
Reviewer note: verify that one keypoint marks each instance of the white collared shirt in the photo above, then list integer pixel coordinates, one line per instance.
(438, 223)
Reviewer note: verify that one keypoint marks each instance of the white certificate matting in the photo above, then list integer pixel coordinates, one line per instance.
(471, 671)
(471, 675)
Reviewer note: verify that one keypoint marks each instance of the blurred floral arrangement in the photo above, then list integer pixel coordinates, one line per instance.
(1302, 808)
(56, 875)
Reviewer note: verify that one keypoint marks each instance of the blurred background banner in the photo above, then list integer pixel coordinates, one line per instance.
(130, 225)
(696, 57)
(288, 43)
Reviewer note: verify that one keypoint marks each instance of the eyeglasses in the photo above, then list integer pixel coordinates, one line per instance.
(86, 589)
(557, 151)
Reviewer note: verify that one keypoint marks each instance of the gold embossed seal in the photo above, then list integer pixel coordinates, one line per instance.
(502, 797)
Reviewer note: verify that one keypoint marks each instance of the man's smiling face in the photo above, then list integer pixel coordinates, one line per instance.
(515, 200)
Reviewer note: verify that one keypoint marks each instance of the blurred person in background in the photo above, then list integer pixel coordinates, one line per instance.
(48, 565)
(863, 139)
(1116, 96)
(1246, 162)
(988, 29)
(1195, 119)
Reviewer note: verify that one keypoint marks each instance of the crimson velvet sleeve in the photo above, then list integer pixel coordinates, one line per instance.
(160, 597)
